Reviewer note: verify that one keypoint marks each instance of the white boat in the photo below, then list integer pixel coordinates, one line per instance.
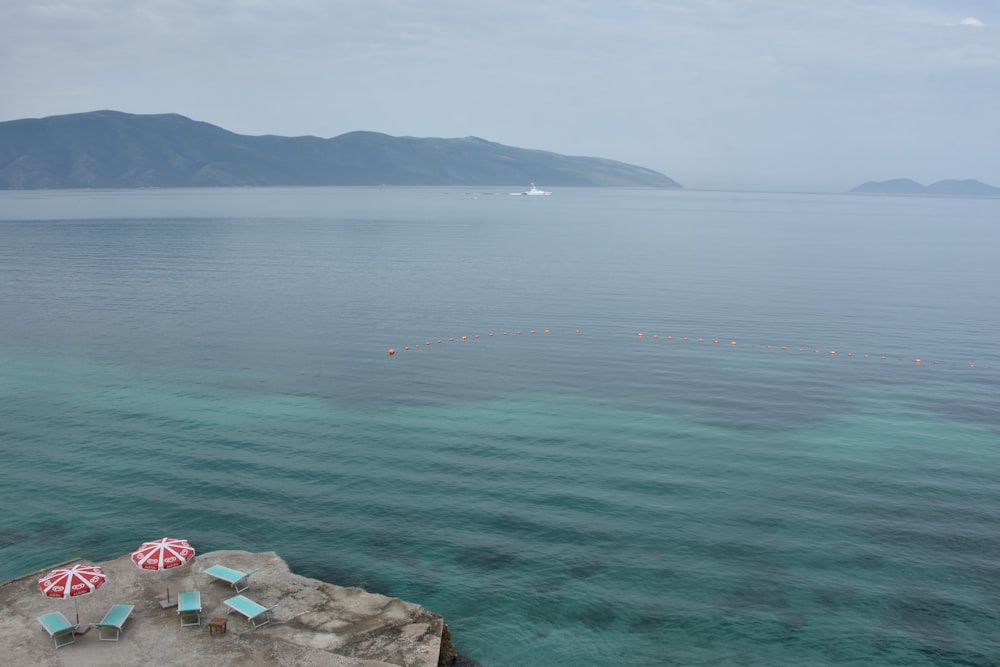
(532, 191)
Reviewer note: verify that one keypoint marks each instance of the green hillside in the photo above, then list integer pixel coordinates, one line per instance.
(110, 149)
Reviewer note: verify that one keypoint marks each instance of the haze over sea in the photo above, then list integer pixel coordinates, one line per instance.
(212, 365)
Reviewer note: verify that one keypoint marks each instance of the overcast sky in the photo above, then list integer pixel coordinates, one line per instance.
(743, 94)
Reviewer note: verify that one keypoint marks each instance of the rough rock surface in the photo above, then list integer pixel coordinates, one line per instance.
(314, 623)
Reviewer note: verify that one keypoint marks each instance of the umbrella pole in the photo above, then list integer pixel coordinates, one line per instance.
(168, 593)
(77, 608)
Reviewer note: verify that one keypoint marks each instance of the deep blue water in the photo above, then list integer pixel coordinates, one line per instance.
(212, 364)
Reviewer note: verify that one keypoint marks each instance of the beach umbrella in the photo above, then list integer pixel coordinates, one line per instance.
(163, 554)
(72, 582)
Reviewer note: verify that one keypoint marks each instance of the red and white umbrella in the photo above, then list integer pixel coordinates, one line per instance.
(72, 582)
(163, 554)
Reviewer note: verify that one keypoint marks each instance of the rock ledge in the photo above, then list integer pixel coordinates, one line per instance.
(314, 623)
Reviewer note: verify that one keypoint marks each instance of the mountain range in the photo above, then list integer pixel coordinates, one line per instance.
(905, 186)
(111, 149)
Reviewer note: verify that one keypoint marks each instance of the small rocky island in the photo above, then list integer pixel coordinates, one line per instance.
(949, 188)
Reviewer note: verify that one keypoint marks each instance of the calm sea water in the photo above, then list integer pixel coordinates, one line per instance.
(212, 364)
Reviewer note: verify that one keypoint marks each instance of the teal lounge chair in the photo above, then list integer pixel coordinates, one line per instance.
(59, 628)
(114, 620)
(231, 576)
(188, 607)
(250, 609)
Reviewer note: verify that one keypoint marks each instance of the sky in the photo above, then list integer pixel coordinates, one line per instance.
(781, 95)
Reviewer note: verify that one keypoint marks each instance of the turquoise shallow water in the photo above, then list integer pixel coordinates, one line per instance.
(213, 365)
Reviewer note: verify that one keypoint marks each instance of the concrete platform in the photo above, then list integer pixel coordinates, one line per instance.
(315, 624)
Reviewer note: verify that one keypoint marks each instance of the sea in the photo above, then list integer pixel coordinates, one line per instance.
(610, 426)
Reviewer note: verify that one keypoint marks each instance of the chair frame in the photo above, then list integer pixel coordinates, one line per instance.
(114, 620)
(188, 605)
(65, 629)
(252, 610)
(230, 576)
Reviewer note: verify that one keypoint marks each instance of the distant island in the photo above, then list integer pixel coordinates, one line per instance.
(111, 149)
(905, 186)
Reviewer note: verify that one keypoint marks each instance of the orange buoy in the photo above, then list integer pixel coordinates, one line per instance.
(407, 348)
(491, 334)
(733, 343)
(504, 333)
(883, 357)
(440, 341)
(477, 335)
(655, 337)
(833, 353)
(716, 341)
(465, 338)
(532, 332)
(670, 337)
(518, 333)
(784, 347)
(972, 365)
(451, 340)
(850, 354)
(578, 331)
(685, 337)
(391, 352)
(546, 331)
(640, 334)
(701, 340)
(918, 361)
(866, 356)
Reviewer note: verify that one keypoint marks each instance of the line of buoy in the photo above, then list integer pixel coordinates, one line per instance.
(642, 335)
(832, 353)
(451, 339)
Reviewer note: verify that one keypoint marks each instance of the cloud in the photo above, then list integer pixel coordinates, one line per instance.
(705, 85)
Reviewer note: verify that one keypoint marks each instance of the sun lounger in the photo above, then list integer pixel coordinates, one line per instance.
(188, 607)
(59, 628)
(231, 576)
(114, 620)
(250, 609)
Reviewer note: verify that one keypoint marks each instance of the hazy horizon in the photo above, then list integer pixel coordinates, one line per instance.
(757, 95)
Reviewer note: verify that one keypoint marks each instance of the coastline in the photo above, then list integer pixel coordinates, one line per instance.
(313, 622)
